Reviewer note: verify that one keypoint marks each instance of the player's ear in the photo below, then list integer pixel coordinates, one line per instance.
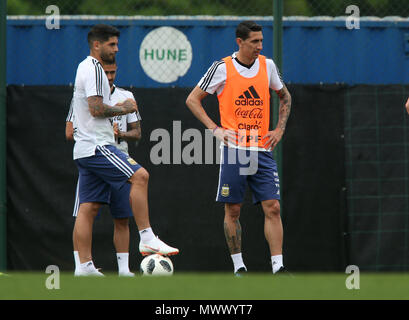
(96, 45)
(239, 41)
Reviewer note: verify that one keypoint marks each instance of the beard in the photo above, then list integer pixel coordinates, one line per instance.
(105, 57)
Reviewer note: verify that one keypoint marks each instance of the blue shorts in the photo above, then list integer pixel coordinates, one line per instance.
(240, 167)
(104, 174)
(118, 202)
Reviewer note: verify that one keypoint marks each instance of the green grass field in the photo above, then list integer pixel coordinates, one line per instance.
(206, 286)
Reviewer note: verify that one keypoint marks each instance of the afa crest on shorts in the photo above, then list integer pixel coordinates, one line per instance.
(225, 190)
(132, 161)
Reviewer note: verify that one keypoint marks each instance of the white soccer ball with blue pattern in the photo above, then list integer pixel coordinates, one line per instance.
(156, 265)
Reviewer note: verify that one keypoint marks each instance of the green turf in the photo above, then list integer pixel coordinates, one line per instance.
(206, 286)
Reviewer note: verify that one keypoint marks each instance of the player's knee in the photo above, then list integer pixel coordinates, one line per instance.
(232, 211)
(141, 176)
(95, 207)
(121, 223)
(91, 208)
(272, 209)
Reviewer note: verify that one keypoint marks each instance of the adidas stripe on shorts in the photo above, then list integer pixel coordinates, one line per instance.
(108, 169)
(119, 205)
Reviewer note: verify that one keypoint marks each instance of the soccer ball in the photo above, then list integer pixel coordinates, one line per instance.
(156, 265)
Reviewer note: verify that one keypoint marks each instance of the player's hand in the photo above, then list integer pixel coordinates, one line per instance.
(117, 133)
(273, 138)
(407, 106)
(226, 135)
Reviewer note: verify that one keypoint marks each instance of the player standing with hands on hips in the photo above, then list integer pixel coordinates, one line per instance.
(100, 164)
(242, 83)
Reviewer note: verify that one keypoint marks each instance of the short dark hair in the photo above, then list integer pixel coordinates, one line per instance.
(244, 28)
(102, 33)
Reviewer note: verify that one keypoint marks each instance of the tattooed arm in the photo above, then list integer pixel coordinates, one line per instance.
(273, 137)
(132, 134)
(98, 109)
(285, 107)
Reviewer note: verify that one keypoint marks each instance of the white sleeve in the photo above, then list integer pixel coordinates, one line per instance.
(134, 116)
(129, 94)
(214, 79)
(93, 77)
(138, 116)
(70, 116)
(276, 82)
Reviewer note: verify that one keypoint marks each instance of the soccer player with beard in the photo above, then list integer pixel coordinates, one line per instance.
(127, 128)
(100, 164)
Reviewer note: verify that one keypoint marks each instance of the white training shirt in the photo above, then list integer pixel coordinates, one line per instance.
(215, 77)
(118, 95)
(90, 132)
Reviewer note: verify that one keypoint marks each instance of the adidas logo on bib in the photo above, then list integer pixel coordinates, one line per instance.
(250, 97)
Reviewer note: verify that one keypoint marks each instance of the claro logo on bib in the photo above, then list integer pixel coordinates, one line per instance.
(165, 54)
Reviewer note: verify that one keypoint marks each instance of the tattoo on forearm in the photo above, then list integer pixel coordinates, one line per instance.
(130, 135)
(285, 107)
(101, 110)
(233, 240)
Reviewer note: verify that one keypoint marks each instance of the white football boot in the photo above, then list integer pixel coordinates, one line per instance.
(128, 274)
(88, 271)
(156, 245)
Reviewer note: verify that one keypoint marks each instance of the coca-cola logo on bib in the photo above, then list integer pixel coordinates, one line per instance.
(255, 113)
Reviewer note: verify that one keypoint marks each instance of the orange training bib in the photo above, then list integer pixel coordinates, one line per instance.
(244, 104)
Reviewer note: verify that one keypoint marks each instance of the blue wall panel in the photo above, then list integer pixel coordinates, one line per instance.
(313, 51)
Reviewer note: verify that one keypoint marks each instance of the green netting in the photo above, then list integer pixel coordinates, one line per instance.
(376, 141)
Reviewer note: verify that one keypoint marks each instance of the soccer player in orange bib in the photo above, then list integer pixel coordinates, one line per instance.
(242, 83)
